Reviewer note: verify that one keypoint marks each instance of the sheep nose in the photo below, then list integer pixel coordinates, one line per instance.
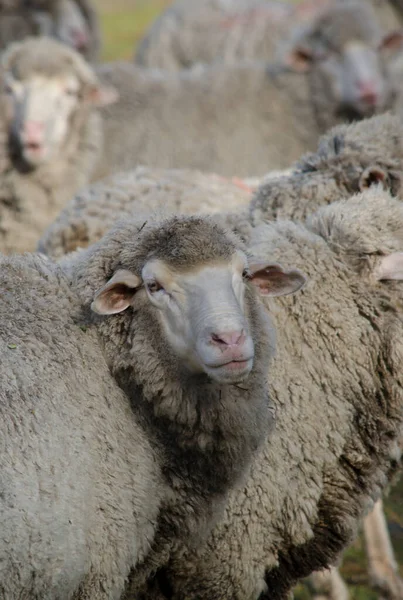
(80, 39)
(33, 132)
(226, 339)
(367, 92)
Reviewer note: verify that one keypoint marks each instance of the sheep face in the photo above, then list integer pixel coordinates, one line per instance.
(48, 91)
(40, 111)
(345, 55)
(201, 310)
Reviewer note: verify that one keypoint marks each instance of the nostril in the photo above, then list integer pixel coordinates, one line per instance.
(80, 39)
(367, 91)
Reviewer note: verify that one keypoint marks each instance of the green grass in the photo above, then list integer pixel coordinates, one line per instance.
(123, 24)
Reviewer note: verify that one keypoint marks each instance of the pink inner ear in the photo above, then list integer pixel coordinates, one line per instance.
(117, 294)
(372, 176)
(103, 95)
(392, 41)
(390, 267)
(300, 60)
(272, 280)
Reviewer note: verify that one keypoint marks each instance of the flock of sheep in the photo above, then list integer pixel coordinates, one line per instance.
(201, 299)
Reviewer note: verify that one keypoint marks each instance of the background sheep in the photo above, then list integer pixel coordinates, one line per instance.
(316, 477)
(53, 136)
(73, 22)
(188, 33)
(94, 210)
(350, 158)
(246, 119)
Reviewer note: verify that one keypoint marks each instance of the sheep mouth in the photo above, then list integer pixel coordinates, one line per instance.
(33, 147)
(231, 371)
(33, 153)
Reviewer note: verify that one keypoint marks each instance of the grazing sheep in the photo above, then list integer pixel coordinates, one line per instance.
(95, 209)
(88, 475)
(189, 33)
(73, 22)
(53, 136)
(249, 118)
(338, 392)
(350, 158)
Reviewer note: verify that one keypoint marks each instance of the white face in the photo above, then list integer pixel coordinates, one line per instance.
(202, 311)
(40, 110)
(203, 315)
(358, 78)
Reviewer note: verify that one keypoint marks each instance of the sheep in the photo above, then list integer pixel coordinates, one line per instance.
(189, 33)
(247, 119)
(349, 158)
(127, 419)
(194, 331)
(337, 388)
(73, 22)
(52, 136)
(95, 209)
(80, 491)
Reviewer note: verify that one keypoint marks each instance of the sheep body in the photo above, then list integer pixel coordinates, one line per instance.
(192, 120)
(94, 211)
(346, 157)
(188, 33)
(75, 465)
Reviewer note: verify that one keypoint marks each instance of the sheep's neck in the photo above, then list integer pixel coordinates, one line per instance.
(207, 433)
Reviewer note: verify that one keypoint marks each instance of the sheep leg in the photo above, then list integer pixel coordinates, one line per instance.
(382, 566)
(328, 585)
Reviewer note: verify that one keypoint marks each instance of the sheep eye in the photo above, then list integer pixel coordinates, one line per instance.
(154, 286)
(72, 93)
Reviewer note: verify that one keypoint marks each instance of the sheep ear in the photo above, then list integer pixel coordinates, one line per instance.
(102, 95)
(372, 176)
(390, 267)
(116, 295)
(392, 41)
(300, 59)
(273, 280)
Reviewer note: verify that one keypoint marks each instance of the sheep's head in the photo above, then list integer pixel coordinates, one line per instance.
(70, 26)
(45, 86)
(345, 52)
(366, 230)
(193, 279)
